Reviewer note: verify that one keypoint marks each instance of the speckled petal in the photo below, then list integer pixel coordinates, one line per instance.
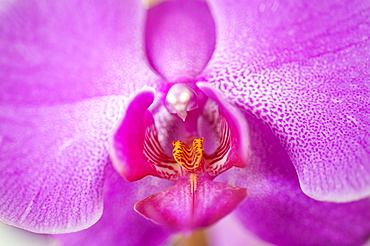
(120, 224)
(180, 38)
(55, 57)
(63, 51)
(280, 213)
(303, 68)
(52, 163)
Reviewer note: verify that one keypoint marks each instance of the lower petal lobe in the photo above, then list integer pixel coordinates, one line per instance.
(120, 224)
(195, 201)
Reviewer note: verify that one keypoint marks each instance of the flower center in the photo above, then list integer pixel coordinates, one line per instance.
(189, 156)
(211, 138)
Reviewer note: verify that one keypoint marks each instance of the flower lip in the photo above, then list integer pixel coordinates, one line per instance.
(194, 202)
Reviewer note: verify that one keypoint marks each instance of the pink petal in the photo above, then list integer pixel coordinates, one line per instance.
(67, 50)
(180, 38)
(302, 67)
(53, 148)
(127, 144)
(120, 224)
(279, 212)
(52, 164)
(183, 207)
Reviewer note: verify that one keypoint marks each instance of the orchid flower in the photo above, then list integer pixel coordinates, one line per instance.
(260, 108)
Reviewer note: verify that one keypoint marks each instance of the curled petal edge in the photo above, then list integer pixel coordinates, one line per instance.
(126, 144)
(239, 156)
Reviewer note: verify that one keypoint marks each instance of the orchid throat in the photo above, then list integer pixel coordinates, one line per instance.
(189, 136)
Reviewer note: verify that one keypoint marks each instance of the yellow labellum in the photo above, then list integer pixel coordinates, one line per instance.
(188, 156)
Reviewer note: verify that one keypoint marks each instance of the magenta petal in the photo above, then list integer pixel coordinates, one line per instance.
(180, 38)
(279, 212)
(127, 144)
(302, 67)
(181, 208)
(120, 224)
(52, 164)
(53, 155)
(67, 50)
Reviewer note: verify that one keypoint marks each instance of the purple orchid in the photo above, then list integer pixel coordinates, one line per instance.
(257, 107)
